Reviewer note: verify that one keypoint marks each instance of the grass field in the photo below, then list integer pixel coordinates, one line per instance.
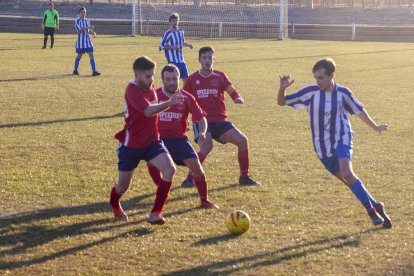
(58, 164)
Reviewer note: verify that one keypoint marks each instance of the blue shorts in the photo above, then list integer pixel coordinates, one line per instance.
(183, 69)
(179, 149)
(332, 163)
(84, 50)
(129, 157)
(215, 128)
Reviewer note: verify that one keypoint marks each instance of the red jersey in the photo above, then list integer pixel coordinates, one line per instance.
(209, 93)
(172, 123)
(139, 130)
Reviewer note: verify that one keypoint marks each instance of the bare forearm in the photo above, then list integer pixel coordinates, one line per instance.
(156, 108)
(364, 116)
(202, 124)
(281, 100)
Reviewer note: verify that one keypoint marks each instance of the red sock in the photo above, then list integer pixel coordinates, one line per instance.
(243, 157)
(202, 186)
(201, 157)
(162, 194)
(114, 199)
(154, 173)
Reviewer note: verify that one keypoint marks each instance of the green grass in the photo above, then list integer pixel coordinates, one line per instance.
(58, 164)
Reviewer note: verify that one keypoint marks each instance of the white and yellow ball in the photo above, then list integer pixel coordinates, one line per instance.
(238, 222)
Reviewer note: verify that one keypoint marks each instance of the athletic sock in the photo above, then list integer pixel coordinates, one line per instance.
(93, 65)
(154, 173)
(77, 61)
(201, 157)
(114, 199)
(45, 42)
(243, 157)
(161, 197)
(52, 41)
(361, 193)
(202, 187)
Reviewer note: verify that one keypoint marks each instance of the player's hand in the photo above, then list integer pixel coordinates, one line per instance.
(176, 98)
(382, 127)
(57, 28)
(190, 46)
(238, 100)
(92, 27)
(285, 81)
(42, 26)
(94, 34)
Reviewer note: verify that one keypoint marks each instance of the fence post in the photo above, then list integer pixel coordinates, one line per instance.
(220, 29)
(353, 31)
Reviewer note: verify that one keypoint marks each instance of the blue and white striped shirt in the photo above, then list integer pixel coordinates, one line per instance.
(328, 113)
(173, 38)
(84, 40)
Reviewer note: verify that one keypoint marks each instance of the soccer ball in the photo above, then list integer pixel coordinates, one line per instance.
(238, 222)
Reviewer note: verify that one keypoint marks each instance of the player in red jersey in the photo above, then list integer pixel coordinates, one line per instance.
(208, 87)
(139, 140)
(172, 125)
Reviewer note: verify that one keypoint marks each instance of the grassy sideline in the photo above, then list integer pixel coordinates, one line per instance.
(58, 164)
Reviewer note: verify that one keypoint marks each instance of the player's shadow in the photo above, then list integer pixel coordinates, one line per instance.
(216, 240)
(23, 232)
(252, 262)
(28, 124)
(52, 77)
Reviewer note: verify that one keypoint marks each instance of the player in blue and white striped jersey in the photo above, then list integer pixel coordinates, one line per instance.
(83, 42)
(172, 43)
(329, 105)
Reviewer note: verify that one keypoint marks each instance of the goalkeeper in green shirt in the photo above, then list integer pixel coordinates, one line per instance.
(49, 24)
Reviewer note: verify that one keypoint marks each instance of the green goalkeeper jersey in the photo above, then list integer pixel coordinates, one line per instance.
(51, 18)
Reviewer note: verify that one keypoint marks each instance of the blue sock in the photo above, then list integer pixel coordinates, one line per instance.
(362, 194)
(77, 61)
(93, 65)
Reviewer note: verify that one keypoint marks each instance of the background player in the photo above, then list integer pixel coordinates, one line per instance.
(208, 87)
(328, 105)
(84, 43)
(172, 125)
(139, 140)
(49, 24)
(172, 44)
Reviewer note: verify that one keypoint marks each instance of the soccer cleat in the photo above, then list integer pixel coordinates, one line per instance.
(44, 47)
(247, 181)
(375, 217)
(207, 204)
(119, 214)
(187, 183)
(75, 72)
(156, 219)
(95, 73)
(381, 211)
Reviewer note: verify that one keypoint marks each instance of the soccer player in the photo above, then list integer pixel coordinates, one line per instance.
(172, 44)
(172, 125)
(329, 105)
(140, 140)
(84, 43)
(208, 87)
(49, 24)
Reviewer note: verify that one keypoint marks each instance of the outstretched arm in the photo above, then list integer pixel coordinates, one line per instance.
(285, 82)
(157, 108)
(364, 116)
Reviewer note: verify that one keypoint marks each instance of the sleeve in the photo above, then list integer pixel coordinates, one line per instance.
(77, 25)
(57, 18)
(188, 86)
(196, 112)
(135, 100)
(300, 99)
(164, 41)
(226, 80)
(352, 105)
(44, 18)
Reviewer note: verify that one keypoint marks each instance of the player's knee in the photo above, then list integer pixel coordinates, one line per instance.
(243, 142)
(348, 176)
(198, 171)
(168, 172)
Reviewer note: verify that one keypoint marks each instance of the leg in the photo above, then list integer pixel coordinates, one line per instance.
(200, 181)
(348, 176)
(44, 42)
(124, 181)
(165, 165)
(93, 65)
(236, 137)
(77, 61)
(52, 40)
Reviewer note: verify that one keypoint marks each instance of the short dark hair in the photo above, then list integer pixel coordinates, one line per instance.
(82, 9)
(51, 4)
(205, 49)
(169, 68)
(143, 63)
(327, 63)
(174, 16)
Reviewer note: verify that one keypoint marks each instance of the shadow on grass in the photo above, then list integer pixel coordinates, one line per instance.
(216, 240)
(250, 263)
(61, 121)
(25, 231)
(51, 77)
